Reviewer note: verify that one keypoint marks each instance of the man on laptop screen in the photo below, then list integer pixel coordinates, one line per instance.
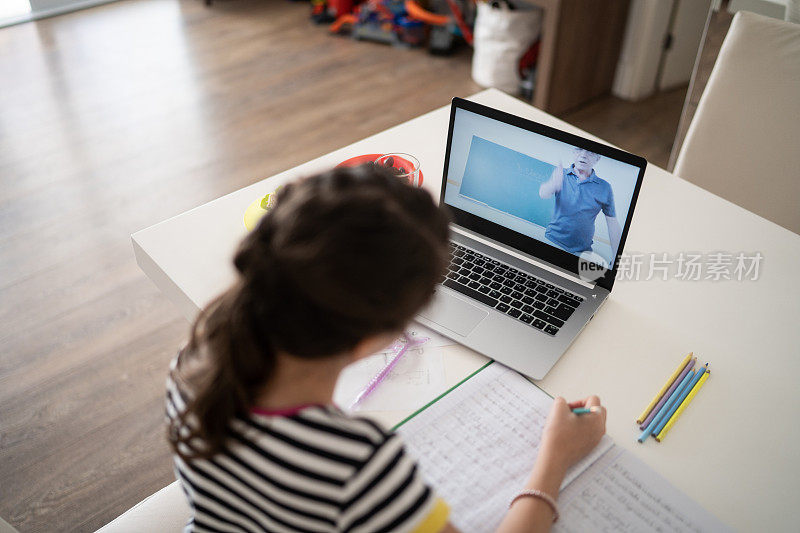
(527, 188)
(580, 195)
(532, 259)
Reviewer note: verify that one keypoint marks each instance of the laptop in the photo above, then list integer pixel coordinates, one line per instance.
(539, 221)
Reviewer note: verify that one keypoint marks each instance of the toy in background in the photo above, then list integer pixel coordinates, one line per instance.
(411, 31)
(327, 11)
(450, 22)
(378, 21)
(445, 39)
(407, 23)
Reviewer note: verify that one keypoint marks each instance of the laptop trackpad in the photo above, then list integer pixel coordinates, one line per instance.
(453, 313)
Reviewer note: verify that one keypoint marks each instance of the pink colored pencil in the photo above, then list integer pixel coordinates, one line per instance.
(378, 378)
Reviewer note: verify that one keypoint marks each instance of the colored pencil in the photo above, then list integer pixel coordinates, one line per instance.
(700, 373)
(663, 390)
(660, 405)
(401, 346)
(683, 406)
(660, 415)
(582, 410)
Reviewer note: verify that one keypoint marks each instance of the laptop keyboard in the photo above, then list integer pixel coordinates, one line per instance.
(530, 300)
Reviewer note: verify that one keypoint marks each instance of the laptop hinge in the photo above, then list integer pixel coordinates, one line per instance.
(522, 255)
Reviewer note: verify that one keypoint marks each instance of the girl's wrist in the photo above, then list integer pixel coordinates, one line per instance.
(553, 456)
(547, 474)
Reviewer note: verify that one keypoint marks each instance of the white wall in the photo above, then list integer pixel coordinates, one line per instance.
(644, 65)
(642, 44)
(769, 8)
(688, 25)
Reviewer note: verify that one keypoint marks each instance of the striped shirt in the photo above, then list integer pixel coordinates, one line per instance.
(314, 469)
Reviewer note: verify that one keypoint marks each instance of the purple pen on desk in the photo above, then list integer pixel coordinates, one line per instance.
(400, 347)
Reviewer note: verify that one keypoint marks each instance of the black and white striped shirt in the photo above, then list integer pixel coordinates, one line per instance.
(314, 470)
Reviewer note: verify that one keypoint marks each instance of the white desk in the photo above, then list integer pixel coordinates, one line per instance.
(736, 451)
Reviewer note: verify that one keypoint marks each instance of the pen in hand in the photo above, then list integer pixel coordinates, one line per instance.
(584, 410)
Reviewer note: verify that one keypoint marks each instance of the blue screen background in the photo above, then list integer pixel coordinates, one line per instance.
(507, 180)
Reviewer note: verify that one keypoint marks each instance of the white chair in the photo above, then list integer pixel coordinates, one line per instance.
(744, 141)
(166, 510)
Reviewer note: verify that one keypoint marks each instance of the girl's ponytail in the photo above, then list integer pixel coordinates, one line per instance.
(341, 256)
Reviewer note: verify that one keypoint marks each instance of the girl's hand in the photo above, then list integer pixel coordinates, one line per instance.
(569, 437)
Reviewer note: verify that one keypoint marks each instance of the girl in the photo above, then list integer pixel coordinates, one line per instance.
(332, 274)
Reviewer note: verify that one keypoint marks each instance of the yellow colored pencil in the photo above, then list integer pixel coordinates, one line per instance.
(680, 410)
(664, 389)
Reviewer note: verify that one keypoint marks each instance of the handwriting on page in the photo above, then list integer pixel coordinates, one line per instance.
(619, 493)
(486, 426)
(477, 445)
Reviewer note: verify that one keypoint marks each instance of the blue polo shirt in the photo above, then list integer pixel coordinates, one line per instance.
(577, 206)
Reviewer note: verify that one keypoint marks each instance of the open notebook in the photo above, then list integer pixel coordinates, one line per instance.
(476, 446)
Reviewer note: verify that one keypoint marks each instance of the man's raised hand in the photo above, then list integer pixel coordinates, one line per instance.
(553, 185)
(558, 177)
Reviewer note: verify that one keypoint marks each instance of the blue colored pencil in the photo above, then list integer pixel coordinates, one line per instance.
(682, 397)
(667, 406)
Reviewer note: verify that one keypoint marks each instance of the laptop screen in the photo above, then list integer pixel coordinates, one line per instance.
(565, 196)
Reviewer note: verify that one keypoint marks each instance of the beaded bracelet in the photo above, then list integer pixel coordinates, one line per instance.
(542, 496)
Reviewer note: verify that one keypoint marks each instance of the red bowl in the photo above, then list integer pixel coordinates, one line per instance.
(369, 158)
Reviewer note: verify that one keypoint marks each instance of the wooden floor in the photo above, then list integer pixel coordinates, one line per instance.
(118, 117)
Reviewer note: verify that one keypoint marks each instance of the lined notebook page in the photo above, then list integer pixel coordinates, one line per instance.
(477, 445)
(621, 493)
